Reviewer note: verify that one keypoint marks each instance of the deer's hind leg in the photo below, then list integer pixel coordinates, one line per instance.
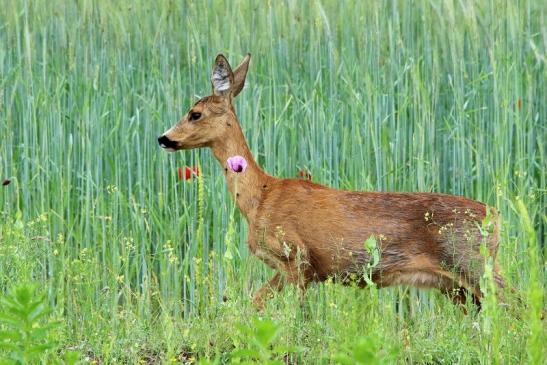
(426, 272)
(460, 287)
(458, 291)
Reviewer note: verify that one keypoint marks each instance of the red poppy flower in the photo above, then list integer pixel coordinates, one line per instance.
(304, 174)
(188, 172)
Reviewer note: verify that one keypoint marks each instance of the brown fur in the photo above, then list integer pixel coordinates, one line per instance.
(309, 232)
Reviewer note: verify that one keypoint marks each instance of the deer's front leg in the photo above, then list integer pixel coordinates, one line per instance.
(291, 262)
(299, 273)
(267, 291)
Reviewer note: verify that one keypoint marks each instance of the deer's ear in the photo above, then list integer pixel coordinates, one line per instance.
(222, 77)
(239, 75)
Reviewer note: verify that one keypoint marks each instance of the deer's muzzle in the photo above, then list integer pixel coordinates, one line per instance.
(166, 143)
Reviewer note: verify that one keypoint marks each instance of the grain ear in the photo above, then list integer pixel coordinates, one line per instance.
(240, 73)
(222, 77)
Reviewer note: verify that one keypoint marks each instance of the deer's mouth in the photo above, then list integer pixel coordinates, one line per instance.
(169, 149)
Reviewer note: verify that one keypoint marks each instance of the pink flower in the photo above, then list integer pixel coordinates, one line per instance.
(238, 164)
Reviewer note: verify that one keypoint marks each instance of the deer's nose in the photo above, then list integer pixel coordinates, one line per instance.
(165, 142)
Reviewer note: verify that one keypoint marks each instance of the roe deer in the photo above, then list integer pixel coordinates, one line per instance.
(309, 232)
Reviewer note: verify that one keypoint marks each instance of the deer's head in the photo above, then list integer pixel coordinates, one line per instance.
(211, 118)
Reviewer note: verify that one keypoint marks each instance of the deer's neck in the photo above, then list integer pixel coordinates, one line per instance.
(245, 187)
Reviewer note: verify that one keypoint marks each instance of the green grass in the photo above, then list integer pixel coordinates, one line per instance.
(445, 96)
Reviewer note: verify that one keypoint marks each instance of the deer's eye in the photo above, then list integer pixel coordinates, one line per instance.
(195, 116)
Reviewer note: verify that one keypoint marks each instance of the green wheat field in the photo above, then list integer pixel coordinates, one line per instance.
(107, 256)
